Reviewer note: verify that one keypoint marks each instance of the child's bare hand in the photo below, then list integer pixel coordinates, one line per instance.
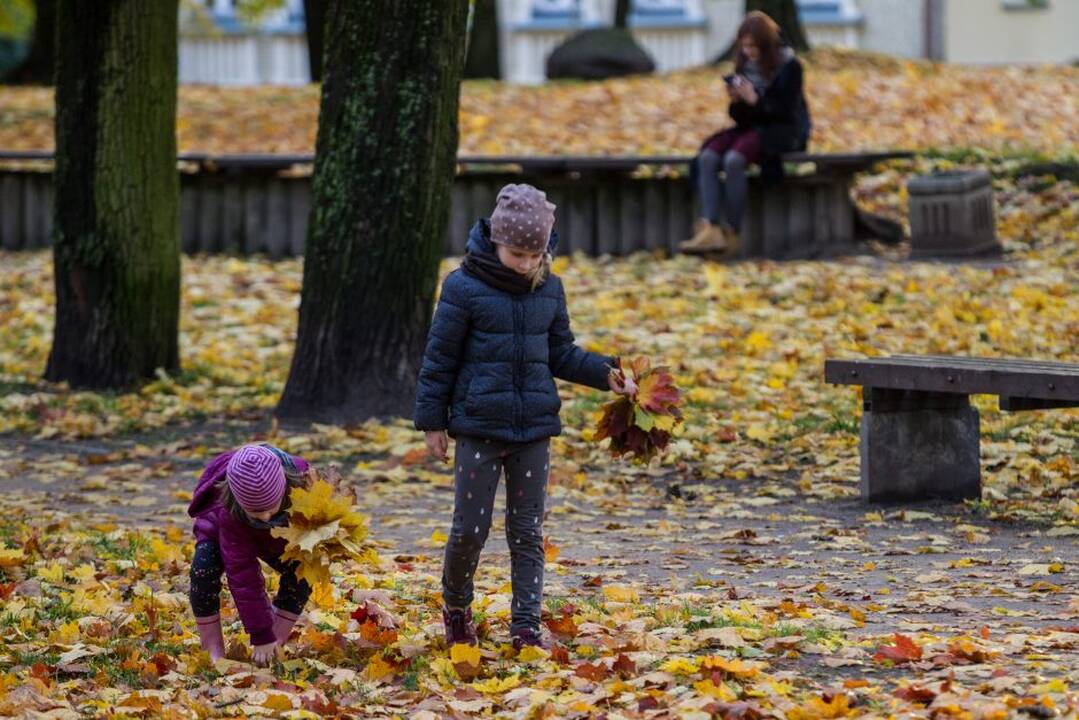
(621, 384)
(438, 444)
(261, 655)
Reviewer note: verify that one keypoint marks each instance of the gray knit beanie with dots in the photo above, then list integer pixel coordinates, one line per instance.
(522, 219)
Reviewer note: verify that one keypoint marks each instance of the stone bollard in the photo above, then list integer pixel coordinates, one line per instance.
(951, 215)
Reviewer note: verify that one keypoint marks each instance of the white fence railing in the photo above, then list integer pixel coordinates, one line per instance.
(277, 59)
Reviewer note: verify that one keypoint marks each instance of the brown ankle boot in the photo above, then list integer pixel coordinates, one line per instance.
(734, 243)
(708, 239)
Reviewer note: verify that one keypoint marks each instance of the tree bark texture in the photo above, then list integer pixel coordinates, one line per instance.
(116, 243)
(384, 164)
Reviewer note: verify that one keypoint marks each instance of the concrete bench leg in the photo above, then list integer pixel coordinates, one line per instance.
(918, 445)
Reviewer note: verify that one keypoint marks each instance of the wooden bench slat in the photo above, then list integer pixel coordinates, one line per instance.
(931, 362)
(1018, 404)
(1048, 381)
(561, 163)
(997, 364)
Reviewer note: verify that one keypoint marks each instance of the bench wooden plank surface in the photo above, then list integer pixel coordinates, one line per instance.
(1011, 377)
(851, 162)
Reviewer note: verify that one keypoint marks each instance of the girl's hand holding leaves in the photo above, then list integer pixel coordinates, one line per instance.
(642, 420)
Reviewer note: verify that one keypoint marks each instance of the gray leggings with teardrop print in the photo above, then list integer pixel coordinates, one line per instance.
(478, 465)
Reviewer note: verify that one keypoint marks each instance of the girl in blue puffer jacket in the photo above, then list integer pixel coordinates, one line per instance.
(500, 336)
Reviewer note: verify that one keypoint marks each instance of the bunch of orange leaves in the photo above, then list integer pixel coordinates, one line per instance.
(641, 423)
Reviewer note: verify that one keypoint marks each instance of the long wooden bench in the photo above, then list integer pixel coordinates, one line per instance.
(920, 435)
(810, 215)
(607, 205)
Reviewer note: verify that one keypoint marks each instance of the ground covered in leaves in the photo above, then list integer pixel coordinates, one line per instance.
(739, 578)
(859, 102)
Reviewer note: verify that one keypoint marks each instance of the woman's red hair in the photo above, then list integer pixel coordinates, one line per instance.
(764, 32)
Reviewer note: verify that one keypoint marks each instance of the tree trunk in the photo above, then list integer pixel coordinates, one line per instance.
(621, 14)
(482, 58)
(785, 13)
(384, 165)
(37, 67)
(314, 13)
(116, 242)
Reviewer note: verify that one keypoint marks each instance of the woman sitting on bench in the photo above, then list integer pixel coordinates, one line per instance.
(771, 117)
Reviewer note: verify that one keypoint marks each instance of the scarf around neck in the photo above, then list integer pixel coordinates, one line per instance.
(487, 267)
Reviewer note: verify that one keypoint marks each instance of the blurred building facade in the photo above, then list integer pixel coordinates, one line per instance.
(217, 47)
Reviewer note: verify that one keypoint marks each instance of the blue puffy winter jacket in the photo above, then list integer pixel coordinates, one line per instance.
(492, 356)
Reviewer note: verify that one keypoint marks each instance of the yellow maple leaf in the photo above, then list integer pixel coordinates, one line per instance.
(307, 537)
(277, 701)
(759, 433)
(11, 558)
(319, 504)
(378, 669)
(66, 634)
(531, 653)
(462, 653)
(621, 593)
(720, 692)
(736, 668)
(165, 552)
(53, 573)
(680, 666)
(497, 686)
(818, 709)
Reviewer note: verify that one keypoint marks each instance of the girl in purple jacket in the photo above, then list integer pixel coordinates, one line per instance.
(240, 496)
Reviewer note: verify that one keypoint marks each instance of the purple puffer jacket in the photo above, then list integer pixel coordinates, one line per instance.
(241, 548)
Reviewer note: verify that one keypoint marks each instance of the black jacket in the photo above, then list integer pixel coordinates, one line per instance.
(781, 116)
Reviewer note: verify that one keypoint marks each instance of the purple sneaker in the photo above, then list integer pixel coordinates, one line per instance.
(528, 637)
(459, 627)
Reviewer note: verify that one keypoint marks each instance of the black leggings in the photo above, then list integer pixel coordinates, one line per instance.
(206, 569)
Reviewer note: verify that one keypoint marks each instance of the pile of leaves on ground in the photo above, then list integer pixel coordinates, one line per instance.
(859, 101)
(746, 343)
(95, 622)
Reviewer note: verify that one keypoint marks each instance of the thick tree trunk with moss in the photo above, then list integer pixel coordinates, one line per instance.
(384, 165)
(116, 239)
(314, 12)
(37, 67)
(482, 58)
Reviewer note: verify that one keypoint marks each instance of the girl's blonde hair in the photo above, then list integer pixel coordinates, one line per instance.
(541, 271)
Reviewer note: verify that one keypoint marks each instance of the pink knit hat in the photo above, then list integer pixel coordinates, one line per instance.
(256, 478)
(522, 218)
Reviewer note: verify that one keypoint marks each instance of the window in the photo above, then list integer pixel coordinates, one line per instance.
(561, 9)
(667, 8)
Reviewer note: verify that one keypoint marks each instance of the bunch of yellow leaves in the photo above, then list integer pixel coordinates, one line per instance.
(323, 528)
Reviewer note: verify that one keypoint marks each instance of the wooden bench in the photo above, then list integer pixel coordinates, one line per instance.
(250, 203)
(810, 215)
(920, 435)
